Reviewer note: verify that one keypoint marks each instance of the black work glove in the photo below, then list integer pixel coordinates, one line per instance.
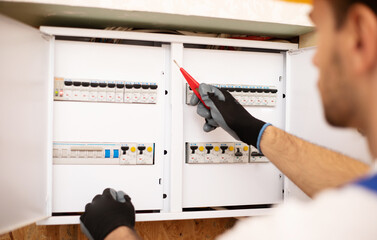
(226, 112)
(105, 213)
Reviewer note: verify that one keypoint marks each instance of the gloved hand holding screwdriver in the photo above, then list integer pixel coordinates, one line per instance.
(227, 113)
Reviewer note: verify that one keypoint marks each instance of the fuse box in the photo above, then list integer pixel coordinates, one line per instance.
(116, 115)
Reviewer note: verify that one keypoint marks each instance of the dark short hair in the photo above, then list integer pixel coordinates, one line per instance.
(341, 8)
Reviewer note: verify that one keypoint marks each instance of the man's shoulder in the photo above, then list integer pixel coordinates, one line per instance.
(361, 193)
(345, 213)
(369, 183)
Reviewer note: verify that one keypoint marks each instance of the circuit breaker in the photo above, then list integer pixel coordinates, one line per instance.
(104, 91)
(230, 152)
(247, 95)
(103, 153)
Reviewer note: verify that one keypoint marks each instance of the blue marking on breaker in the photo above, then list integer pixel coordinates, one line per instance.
(116, 153)
(107, 153)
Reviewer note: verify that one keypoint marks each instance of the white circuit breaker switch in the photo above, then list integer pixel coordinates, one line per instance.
(110, 92)
(210, 155)
(76, 91)
(67, 90)
(101, 97)
(144, 93)
(189, 94)
(98, 153)
(244, 95)
(64, 153)
(216, 153)
(82, 154)
(74, 154)
(145, 154)
(153, 93)
(128, 154)
(195, 153)
(256, 156)
(241, 153)
(272, 97)
(136, 93)
(128, 92)
(93, 91)
(90, 154)
(119, 92)
(85, 88)
(226, 154)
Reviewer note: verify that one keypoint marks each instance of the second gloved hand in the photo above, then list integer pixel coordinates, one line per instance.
(106, 212)
(227, 113)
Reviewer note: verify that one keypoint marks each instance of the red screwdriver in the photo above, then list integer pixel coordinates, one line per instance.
(194, 85)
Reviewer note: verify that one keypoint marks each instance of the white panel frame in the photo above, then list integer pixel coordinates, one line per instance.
(147, 217)
(167, 38)
(175, 157)
(26, 126)
(176, 163)
(304, 108)
(76, 121)
(239, 184)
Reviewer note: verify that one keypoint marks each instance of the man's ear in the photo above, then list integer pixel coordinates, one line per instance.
(361, 42)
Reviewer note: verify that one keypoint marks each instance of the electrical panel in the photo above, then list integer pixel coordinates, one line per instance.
(108, 123)
(111, 141)
(103, 153)
(246, 95)
(118, 117)
(104, 91)
(223, 164)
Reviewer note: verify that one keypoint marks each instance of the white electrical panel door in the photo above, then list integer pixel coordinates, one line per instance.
(225, 180)
(305, 115)
(108, 141)
(25, 130)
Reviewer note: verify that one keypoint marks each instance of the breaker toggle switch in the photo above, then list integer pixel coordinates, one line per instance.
(193, 149)
(238, 153)
(128, 154)
(107, 153)
(223, 149)
(124, 149)
(145, 157)
(116, 153)
(141, 149)
(255, 154)
(209, 148)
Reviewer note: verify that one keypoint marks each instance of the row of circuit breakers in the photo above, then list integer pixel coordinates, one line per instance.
(247, 95)
(104, 91)
(143, 153)
(230, 152)
(143, 92)
(103, 153)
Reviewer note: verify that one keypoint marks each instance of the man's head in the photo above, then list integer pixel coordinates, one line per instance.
(346, 58)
